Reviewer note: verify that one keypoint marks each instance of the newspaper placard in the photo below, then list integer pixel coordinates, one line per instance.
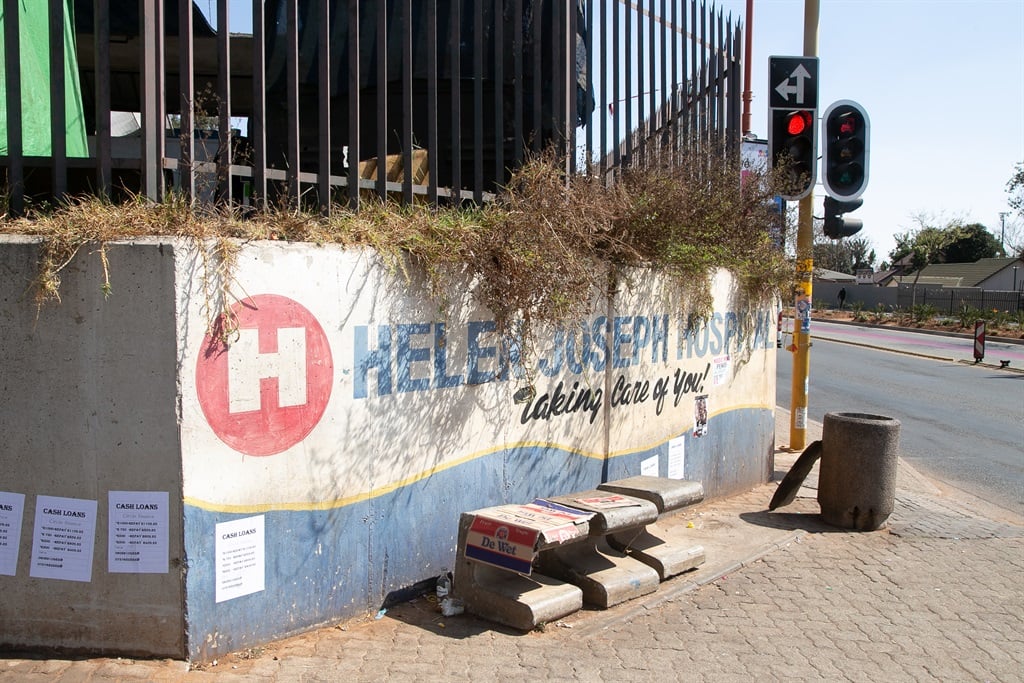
(508, 536)
(607, 502)
(502, 544)
(138, 532)
(63, 539)
(12, 510)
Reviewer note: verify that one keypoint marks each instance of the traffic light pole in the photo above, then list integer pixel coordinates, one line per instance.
(805, 272)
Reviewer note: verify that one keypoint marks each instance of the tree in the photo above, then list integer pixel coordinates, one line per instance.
(969, 243)
(843, 256)
(925, 246)
(1014, 231)
(955, 242)
(1015, 188)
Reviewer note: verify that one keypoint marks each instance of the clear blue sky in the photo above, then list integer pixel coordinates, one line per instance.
(943, 84)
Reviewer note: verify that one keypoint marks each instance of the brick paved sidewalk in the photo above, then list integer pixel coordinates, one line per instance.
(936, 596)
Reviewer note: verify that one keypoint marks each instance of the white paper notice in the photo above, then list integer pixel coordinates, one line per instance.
(12, 508)
(676, 458)
(721, 370)
(240, 554)
(649, 467)
(63, 538)
(138, 532)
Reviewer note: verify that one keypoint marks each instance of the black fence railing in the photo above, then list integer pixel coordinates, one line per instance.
(952, 300)
(317, 102)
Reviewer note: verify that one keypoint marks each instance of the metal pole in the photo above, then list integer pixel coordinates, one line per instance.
(748, 53)
(805, 271)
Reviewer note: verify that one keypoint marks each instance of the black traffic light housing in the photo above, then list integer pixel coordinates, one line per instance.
(844, 160)
(836, 227)
(792, 144)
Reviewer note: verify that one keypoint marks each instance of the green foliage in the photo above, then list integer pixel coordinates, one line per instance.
(967, 315)
(969, 243)
(1015, 188)
(922, 313)
(955, 242)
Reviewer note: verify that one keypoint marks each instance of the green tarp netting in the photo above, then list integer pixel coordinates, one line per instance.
(35, 84)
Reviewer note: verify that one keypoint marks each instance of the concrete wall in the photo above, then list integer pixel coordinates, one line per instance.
(318, 463)
(89, 404)
(826, 295)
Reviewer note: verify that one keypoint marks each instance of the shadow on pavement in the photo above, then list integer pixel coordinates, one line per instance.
(790, 521)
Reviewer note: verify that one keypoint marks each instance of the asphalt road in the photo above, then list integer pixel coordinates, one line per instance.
(961, 423)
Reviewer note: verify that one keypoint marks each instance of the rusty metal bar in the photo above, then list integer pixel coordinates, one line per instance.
(225, 140)
(517, 76)
(187, 108)
(674, 79)
(353, 104)
(665, 108)
(101, 52)
(641, 119)
(570, 82)
(432, 145)
(719, 83)
(382, 99)
(58, 102)
(406, 103)
(455, 55)
(15, 145)
(152, 104)
(478, 103)
(324, 108)
(499, 93)
(591, 49)
(537, 32)
(628, 95)
(258, 118)
(735, 88)
(293, 154)
(652, 96)
(615, 100)
(604, 91)
(559, 81)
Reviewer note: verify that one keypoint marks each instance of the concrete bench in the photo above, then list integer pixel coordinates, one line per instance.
(606, 576)
(509, 597)
(652, 545)
(609, 558)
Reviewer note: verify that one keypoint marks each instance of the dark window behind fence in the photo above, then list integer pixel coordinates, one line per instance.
(320, 102)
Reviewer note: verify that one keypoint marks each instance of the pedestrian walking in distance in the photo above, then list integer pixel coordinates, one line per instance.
(842, 297)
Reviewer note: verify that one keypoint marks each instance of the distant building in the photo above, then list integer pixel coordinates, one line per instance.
(1003, 274)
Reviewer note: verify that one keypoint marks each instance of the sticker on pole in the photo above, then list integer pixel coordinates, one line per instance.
(266, 388)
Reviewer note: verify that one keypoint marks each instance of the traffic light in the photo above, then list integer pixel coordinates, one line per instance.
(792, 145)
(837, 227)
(845, 157)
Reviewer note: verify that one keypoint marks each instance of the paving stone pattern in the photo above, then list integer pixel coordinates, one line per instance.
(937, 596)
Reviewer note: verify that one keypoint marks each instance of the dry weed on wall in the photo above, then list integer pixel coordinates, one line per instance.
(537, 254)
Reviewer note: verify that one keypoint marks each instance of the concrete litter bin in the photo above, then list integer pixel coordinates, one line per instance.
(857, 476)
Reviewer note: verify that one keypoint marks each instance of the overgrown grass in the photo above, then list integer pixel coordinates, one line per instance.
(536, 255)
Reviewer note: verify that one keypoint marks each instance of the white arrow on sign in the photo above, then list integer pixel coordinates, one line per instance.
(786, 89)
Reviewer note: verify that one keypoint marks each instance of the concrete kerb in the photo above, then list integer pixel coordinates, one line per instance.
(937, 333)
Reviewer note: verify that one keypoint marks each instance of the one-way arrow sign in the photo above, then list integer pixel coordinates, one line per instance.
(794, 82)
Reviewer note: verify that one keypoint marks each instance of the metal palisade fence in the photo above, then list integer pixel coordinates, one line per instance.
(317, 103)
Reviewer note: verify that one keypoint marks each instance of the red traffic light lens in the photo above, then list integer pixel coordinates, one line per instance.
(847, 125)
(798, 122)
